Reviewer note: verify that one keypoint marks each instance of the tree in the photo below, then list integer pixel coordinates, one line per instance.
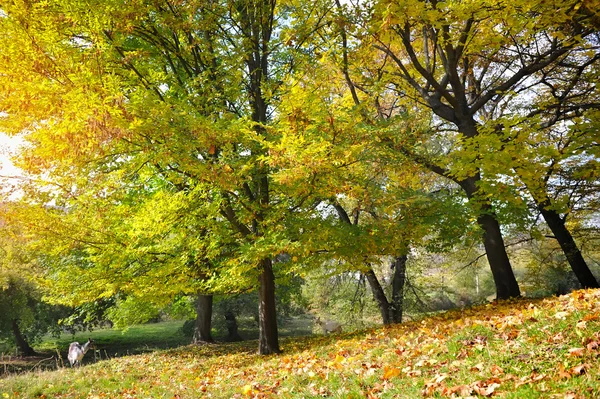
(17, 302)
(558, 170)
(364, 203)
(25, 316)
(470, 65)
(137, 101)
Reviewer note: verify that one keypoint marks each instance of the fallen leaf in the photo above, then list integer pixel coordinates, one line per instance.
(477, 367)
(580, 369)
(561, 315)
(461, 390)
(591, 317)
(247, 390)
(390, 372)
(576, 352)
(486, 390)
(593, 345)
(537, 377)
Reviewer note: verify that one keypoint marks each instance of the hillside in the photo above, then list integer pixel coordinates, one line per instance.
(518, 349)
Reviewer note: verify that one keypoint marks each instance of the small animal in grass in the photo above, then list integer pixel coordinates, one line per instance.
(329, 326)
(77, 351)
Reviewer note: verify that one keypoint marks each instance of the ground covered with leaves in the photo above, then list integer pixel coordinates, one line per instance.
(516, 349)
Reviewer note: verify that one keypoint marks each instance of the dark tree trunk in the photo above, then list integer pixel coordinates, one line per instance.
(232, 328)
(398, 281)
(268, 340)
(203, 325)
(20, 340)
(391, 312)
(504, 277)
(569, 246)
(379, 295)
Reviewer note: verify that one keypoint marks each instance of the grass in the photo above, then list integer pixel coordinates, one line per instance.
(517, 349)
(136, 339)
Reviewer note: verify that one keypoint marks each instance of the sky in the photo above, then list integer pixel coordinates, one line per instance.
(8, 146)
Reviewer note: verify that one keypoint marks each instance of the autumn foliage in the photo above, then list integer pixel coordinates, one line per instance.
(521, 348)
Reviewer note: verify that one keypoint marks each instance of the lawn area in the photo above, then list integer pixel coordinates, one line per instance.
(517, 349)
(112, 343)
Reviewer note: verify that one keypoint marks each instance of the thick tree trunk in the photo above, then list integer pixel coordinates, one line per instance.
(268, 339)
(379, 295)
(398, 281)
(569, 246)
(20, 340)
(202, 328)
(504, 277)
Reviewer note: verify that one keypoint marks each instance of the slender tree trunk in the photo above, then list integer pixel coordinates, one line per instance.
(569, 246)
(379, 295)
(391, 312)
(398, 282)
(504, 277)
(202, 328)
(268, 339)
(20, 340)
(232, 328)
(560, 231)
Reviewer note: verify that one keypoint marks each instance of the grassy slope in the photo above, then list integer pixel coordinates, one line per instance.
(521, 349)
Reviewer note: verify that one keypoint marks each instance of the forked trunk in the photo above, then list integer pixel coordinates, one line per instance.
(391, 311)
(569, 247)
(22, 344)
(268, 340)
(203, 325)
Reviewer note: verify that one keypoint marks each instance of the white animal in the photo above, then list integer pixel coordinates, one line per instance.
(329, 326)
(77, 351)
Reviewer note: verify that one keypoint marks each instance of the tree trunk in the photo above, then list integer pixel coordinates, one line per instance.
(398, 281)
(569, 246)
(20, 340)
(379, 295)
(504, 277)
(232, 328)
(202, 327)
(268, 340)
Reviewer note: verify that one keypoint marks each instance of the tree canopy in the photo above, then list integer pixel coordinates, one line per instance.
(210, 147)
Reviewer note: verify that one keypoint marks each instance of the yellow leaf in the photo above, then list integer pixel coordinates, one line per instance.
(390, 372)
(247, 390)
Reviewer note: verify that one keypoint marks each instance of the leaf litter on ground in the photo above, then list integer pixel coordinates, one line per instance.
(520, 348)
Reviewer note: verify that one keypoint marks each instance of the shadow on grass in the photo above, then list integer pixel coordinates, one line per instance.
(146, 338)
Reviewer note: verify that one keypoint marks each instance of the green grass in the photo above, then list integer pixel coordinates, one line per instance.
(112, 342)
(518, 349)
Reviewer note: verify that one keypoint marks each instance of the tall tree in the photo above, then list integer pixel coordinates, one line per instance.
(365, 202)
(470, 65)
(141, 102)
